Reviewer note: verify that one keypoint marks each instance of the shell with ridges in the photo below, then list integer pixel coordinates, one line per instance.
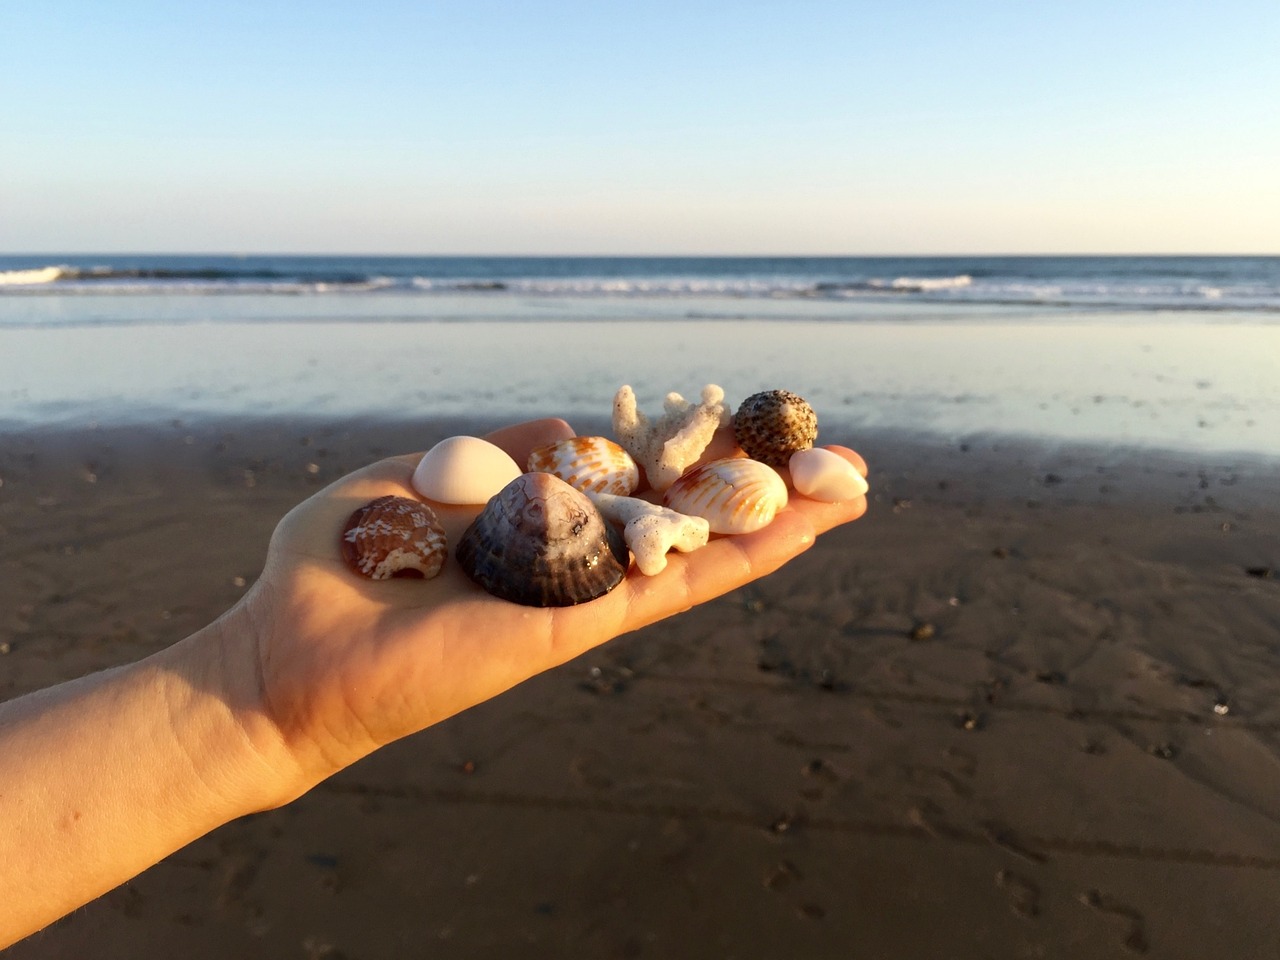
(394, 537)
(772, 425)
(541, 543)
(463, 470)
(589, 464)
(734, 495)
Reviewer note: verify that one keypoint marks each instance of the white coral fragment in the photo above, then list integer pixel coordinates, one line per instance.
(668, 446)
(650, 530)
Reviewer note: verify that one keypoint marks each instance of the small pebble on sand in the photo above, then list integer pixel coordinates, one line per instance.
(923, 631)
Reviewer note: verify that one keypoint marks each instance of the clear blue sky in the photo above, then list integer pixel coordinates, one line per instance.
(691, 127)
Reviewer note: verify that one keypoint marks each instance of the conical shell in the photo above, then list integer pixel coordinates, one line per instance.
(733, 495)
(542, 543)
(589, 464)
(394, 537)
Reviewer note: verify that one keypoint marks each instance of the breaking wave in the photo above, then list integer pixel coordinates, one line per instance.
(1204, 284)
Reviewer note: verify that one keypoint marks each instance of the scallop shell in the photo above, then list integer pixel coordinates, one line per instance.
(772, 425)
(464, 470)
(589, 464)
(394, 537)
(825, 475)
(734, 495)
(542, 543)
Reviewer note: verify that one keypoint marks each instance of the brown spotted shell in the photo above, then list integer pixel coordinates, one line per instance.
(589, 464)
(772, 425)
(394, 537)
(542, 543)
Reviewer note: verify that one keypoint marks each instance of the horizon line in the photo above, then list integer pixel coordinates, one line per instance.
(624, 256)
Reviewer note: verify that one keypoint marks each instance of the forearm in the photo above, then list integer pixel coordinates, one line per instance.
(104, 776)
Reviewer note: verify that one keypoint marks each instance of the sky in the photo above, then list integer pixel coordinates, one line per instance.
(1124, 126)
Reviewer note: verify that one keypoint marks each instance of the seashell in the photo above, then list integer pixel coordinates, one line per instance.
(589, 464)
(772, 425)
(542, 543)
(464, 470)
(650, 530)
(734, 495)
(666, 447)
(394, 537)
(825, 475)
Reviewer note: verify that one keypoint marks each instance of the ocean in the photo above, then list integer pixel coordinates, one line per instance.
(1113, 283)
(1178, 353)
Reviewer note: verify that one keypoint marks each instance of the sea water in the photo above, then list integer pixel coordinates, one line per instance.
(1178, 352)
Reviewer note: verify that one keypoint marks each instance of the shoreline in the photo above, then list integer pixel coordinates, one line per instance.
(1164, 384)
(1077, 757)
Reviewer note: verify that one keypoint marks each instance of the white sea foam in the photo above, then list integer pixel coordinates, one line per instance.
(25, 278)
(925, 284)
(1097, 283)
(616, 286)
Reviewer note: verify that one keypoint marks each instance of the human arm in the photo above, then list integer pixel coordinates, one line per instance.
(313, 669)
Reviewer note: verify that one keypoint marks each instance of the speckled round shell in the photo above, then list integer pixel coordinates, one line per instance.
(394, 537)
(463, 470)
(772, 425)
(542, 543)
(589, 464)
(734, 495)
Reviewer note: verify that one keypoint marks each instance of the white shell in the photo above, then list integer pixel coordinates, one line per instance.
(589, 464)
(734, 495)
(825, 475)
(463, 470)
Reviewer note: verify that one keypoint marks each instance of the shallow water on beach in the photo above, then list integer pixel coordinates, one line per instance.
(1164, 379)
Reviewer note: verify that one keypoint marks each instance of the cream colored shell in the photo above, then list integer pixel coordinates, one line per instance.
(734, 495)
(825, 475)
(464, 470)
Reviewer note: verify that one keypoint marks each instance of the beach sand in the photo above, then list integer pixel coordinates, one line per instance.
(1029, 706)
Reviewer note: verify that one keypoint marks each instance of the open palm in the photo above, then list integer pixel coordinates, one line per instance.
(347, 664)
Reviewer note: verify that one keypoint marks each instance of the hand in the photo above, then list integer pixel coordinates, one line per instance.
(343, 665)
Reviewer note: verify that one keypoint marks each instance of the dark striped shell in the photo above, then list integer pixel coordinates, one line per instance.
(541, 543)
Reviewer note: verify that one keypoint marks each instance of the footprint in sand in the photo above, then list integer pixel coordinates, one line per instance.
(1135, 938)
(1024, 895)
(781, 875)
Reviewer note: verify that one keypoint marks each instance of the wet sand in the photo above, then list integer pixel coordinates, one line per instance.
(1028, 706)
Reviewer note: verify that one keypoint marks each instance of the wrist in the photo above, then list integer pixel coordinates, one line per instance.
(219, 717)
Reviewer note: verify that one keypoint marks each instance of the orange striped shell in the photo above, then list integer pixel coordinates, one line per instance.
(589, 464)
(735, 495)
